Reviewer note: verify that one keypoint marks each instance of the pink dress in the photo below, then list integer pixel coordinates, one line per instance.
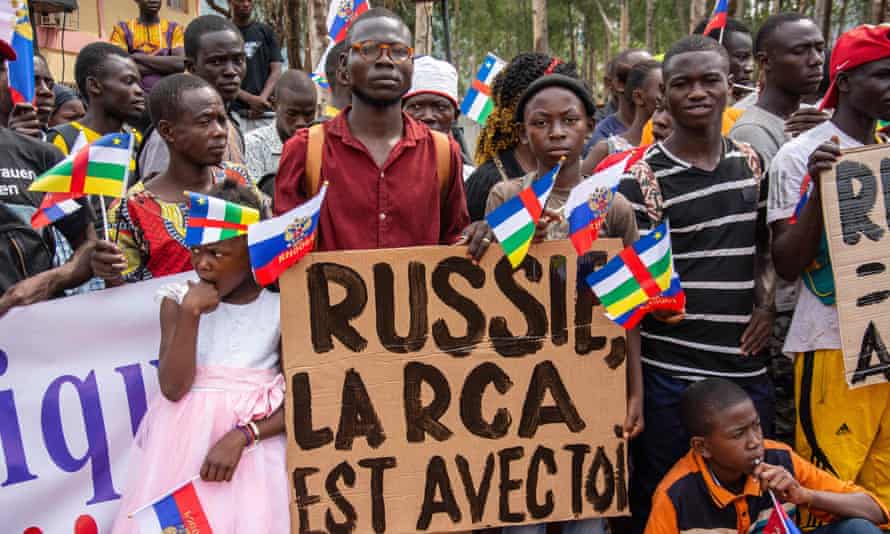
(238, 379)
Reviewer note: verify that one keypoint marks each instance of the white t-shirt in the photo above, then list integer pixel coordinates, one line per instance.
(814, 325)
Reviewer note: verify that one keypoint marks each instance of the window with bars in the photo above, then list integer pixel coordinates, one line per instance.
(180, 5)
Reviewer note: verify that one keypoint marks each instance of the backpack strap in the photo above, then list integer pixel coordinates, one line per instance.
(314, 148)
(443, 161)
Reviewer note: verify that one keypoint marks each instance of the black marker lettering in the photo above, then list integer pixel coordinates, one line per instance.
(378, 506)
(546, 378)
(535, 508)
(419, 419)
(357, 415)
(458, 346)
(384, 290)
(304, 435)
(327, 321)
(437, 479)
(471, 401)
(503, 340)
(347, 473)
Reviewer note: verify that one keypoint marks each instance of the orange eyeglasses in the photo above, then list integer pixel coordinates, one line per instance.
(373, 50)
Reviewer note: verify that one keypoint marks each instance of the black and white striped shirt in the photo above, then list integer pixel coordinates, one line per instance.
(715, 217)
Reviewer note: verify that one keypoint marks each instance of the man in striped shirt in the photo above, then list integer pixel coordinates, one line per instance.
(711, 190)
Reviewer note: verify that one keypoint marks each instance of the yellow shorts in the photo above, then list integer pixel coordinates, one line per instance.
(844, 431)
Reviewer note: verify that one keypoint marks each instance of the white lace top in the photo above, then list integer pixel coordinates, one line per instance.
(236, 335)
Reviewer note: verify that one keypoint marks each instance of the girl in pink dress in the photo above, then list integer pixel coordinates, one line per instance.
(220, 411)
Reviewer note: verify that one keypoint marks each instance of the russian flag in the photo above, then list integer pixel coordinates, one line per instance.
(718, 18)
(590, 200)
(21, 71)
(179, 510)
(341, 13)
(55, 206)
(804, 196)
(276, 244)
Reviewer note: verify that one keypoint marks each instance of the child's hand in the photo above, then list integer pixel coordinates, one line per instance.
(223, 457)
(633, 423)
(783, 483)
(202, 297)
(548, 218)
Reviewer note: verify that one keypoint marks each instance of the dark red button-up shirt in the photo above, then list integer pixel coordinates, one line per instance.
(369, 207)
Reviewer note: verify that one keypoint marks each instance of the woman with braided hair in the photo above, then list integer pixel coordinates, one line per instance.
(499, 153)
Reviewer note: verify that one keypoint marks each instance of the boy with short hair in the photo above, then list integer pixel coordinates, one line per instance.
(725, 480)
(154, 43)
(710, 189)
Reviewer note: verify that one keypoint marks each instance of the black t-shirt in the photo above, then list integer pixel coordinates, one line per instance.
(22, 159)
(484, 178)
(262, 49)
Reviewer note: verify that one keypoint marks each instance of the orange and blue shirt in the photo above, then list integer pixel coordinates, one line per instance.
(690, 499)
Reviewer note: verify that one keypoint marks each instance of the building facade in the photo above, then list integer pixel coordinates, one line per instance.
(60, 35)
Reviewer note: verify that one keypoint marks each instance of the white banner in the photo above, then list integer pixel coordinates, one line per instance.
(75, 378)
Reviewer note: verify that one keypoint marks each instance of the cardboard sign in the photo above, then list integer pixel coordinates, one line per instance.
(855, 207)
(429, 394)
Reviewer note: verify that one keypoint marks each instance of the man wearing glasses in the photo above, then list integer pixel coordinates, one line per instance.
(387, 187)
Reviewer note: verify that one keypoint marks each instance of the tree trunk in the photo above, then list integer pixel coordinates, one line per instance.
(423, 29)
(681, 11)
(823, 17)
(739, 10)
(624, 35)
(540, 37)
(607, 27)
(573, 48)
(650, 24)
(697, 12)
(842, 18)
(877, 11)
(317, 31)
(292, 10)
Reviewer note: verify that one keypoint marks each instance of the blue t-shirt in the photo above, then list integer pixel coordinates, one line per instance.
(604, 129)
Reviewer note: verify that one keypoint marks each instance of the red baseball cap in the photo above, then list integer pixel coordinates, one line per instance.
(861, 45)
(6, 51)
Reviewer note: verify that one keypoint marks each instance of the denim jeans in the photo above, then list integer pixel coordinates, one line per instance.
(583, 526)
(849, 526)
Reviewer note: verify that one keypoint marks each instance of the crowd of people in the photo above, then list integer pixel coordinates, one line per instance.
(742, 393)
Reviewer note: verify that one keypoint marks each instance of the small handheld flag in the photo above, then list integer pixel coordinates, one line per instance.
(214, 219)
(100, 168)
(179, 510)
(478, 104)
(804, 196)
(276, 244)
(514, 221)
(779, 522)
(15, 28)
(55, 206)
(590, 200)
(321, 81)
(718, 18)
(341, 13)
(641, 278)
